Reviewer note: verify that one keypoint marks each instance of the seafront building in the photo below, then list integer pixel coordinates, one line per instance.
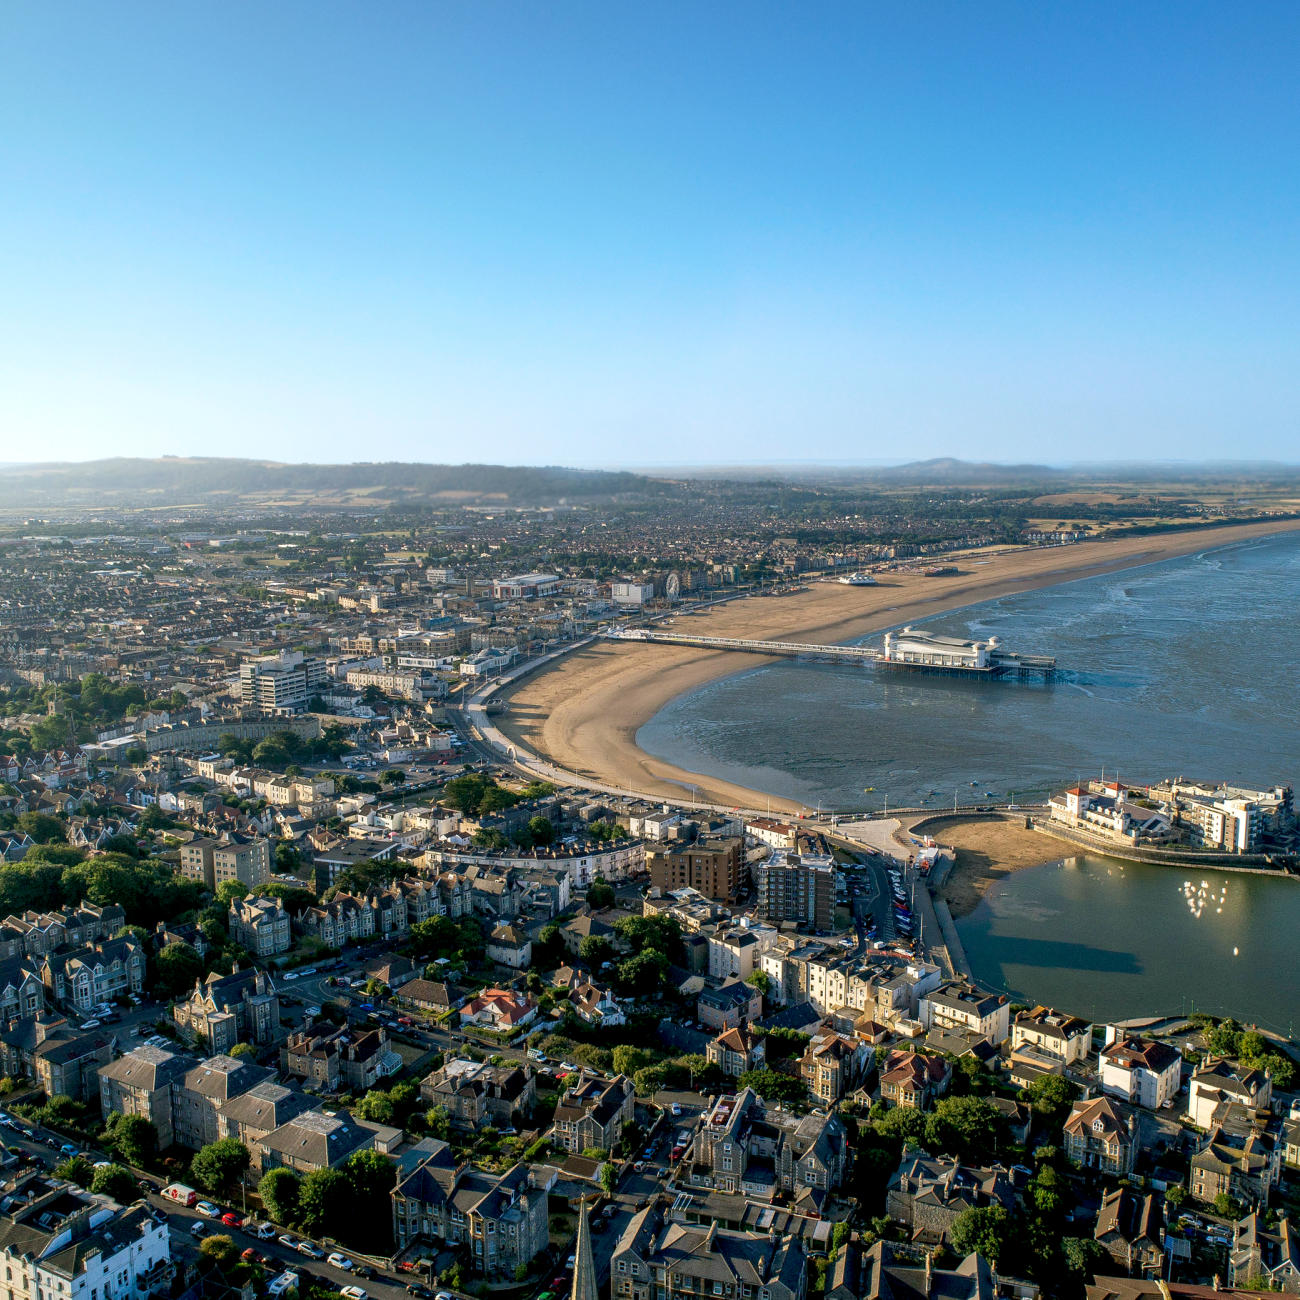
(798, 887)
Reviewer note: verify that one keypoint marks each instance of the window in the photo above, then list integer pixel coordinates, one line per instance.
(622, 1266)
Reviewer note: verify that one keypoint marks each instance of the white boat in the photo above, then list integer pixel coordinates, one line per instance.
(857, 580)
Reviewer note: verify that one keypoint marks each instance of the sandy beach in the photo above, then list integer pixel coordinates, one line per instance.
(987, 851)
(584, 713)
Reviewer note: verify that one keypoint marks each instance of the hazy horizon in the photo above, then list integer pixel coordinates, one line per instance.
(598, 236)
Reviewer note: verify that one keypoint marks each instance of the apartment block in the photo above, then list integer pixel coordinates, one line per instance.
(714, 867)
(796, 887)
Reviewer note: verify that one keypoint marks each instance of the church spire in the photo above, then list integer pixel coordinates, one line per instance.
(584, 1267)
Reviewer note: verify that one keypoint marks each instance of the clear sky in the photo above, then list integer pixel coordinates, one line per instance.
(649, 233)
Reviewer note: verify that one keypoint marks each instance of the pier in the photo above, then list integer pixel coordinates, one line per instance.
(785, 649)
(910, 651)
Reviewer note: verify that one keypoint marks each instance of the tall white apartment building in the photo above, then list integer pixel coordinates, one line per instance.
(281, 684)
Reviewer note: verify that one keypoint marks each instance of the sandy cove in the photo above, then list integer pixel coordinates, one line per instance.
(583, 714)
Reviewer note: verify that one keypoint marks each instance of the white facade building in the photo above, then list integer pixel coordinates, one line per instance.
(1140, 1070)
(631, 593)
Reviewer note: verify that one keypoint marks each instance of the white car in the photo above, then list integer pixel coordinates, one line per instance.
(339, 1261)
(289, 975)
(353, 1292)
(207, 1209)
(91, 1024)
(677, 1109)
(288, 1242)
(264, 1231)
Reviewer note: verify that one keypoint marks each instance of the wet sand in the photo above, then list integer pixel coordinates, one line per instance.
(583, 714)
(987, 852)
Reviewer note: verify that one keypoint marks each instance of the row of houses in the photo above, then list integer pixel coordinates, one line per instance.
(193, 1102)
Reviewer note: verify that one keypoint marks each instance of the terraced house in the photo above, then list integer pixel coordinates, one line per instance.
(146, 1082)
(748, 1147)
(242, 1007)
(22, 991)
(99, 972)
(261, 925)
(694, 1260)
(475, 1093)
(1101, 1134)
(57, 1240)
(501, 1218)
(593, 1112)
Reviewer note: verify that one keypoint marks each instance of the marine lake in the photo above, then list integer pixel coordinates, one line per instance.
(1183, 667)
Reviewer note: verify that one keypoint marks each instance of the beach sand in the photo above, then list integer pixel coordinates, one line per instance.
(583, 714)
(986, 852)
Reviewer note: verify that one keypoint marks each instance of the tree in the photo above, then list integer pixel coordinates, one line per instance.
(595, 950)
(179, 966)
(772, 1086)
(42, 828)
(1051, 1096)
(372, 1177)
(132, 1138)
(377, 1107)
(76, 1169)
(242, 1049)
(658, 932)
(965, 1127)
(392, 776)
(117, 1182)
(761, 981)
(600, 895)
(1224, 1206)
(628, 1060)
(983, 1230)
(229, 890)
(324, 1202)
(902, 1124)
(296, 901)
(220, 1165)
(608, 1177)
(1082, 1255)
(644, 974)
(438, 1122)
(543, 832)
(220, 1249)
(279, 1190)
(1176, 1195)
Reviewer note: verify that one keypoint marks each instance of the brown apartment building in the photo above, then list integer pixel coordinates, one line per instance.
(715, 867)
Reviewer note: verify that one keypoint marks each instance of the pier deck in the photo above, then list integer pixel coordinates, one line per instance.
(1005, 664)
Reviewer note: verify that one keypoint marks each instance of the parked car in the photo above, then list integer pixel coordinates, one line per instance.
(264, 1231)
(288, 1242)
(208, 1210)
(200, 1229)
(310, 1250)
(337, 1260)
(231, 1219)
(353, 1292)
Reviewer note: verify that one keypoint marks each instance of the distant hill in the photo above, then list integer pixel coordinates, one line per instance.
(210, 479)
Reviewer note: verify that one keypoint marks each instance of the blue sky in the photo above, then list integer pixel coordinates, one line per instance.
(649, 234)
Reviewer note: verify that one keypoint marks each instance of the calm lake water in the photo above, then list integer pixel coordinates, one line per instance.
(1106, 940)
(1183, 667)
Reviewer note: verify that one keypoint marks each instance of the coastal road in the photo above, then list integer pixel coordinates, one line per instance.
(386, 1286)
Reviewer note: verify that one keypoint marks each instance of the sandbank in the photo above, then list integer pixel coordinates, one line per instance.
(986, 851)
(583, 714)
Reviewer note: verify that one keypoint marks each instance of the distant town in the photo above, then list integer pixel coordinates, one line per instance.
(310, 985)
